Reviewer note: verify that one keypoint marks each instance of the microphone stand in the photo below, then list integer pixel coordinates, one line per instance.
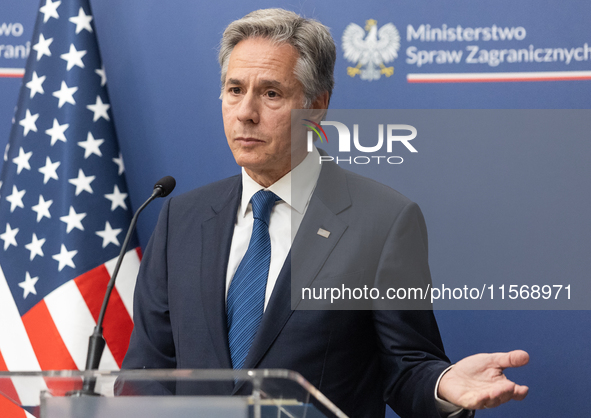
(96, 342)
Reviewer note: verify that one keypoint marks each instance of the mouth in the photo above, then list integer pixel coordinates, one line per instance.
(246, 141)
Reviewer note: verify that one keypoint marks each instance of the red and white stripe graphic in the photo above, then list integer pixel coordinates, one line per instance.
(498, 77)
(53, 335)
(12, 72)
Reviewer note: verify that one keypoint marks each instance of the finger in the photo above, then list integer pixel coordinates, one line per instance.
(516, 358)
(503, 393)
(496, 400)
(520, 392)
(515, 392)
(493, 403)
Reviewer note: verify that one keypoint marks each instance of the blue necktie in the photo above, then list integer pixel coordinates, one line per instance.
(246, 295)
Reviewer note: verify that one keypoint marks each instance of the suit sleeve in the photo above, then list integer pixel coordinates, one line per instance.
(151, 344)
(410, 346)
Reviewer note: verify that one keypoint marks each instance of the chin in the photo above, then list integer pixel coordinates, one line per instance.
(249, 164)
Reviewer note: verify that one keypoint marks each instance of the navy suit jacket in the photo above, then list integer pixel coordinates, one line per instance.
(360, 359)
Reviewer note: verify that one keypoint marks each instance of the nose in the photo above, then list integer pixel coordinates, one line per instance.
(248, 110)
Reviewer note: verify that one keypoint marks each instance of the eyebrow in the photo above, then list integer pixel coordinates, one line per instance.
(267, 83)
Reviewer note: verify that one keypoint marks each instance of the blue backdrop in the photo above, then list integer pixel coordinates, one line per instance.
(163, 79)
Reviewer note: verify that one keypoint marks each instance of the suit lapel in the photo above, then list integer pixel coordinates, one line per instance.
(330, 197)
(310, 250)
(216, 239)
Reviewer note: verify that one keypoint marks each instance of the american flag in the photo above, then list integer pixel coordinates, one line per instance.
(64, 207)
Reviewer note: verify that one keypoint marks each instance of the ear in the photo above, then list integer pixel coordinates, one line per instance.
(319, 107)
(321, 102)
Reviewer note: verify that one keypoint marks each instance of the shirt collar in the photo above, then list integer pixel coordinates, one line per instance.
(295, 188)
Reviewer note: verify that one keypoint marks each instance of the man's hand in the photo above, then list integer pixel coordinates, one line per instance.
(478, 382)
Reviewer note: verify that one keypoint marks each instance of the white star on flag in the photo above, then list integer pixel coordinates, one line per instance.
(109, 235)
(119, 162)
(42, 47)
(73, 58)
(101, 72)
(29, 122)
(117, 199)
(35, 246)
(91, 146)
(49, 170)
(73, 220)
(65, 94)
(22, 161)
(29, 285)
(50, 10)
(42, 208)
(82, 182)
(99, 109)
(16, 198)
(56, 132)
(9, 237)
(36, 84)
(82, 21)
(65, 258)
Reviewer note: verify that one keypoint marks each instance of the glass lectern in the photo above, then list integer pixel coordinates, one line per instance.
(166, 393)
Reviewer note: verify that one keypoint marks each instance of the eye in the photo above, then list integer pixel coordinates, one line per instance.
(272, 94)
(234, 90)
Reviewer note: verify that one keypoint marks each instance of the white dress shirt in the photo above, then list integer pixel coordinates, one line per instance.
(286, 216)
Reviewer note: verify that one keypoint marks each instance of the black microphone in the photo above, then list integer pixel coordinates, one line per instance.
(164, 186)
(96, 342)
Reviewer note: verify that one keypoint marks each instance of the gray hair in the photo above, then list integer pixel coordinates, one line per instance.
(316, 48)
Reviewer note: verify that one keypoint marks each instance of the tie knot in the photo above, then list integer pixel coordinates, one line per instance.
(262, 203)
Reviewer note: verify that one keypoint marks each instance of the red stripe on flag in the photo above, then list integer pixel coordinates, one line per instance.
(60, 386)
(10, 410)
(117, 325)
(6, 386)
(46, 340)
(138, 250)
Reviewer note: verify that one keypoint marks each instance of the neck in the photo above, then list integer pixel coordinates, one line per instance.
(266, 178)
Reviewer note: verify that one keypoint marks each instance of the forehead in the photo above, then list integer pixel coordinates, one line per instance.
(261, 56)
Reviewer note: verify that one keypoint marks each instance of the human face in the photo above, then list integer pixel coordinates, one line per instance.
(259, 93)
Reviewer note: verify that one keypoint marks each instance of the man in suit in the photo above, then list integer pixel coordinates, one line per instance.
(214, 288)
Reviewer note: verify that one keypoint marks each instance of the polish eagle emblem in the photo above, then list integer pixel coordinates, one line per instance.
(372, 50)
